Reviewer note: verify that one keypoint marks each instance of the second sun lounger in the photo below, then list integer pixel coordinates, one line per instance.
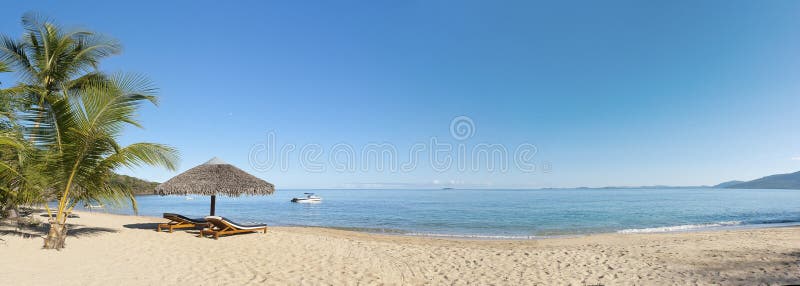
(178, 221)
(221, 226)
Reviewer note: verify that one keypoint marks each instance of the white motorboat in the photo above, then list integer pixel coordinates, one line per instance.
(91, 206)
(310, 198)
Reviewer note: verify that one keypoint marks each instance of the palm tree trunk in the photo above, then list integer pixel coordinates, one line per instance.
(56, 236)
(58, 226)
(11, 213)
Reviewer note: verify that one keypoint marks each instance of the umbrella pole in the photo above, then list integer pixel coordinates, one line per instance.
(213, 203)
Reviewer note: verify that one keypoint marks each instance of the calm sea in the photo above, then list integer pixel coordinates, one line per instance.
(501, 213)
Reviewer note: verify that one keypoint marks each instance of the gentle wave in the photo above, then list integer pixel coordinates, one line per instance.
(369, 229)
(775, 221)
(471, 236)
(685, 227)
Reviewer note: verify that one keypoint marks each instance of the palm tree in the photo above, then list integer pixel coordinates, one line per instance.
(17, 176)
(51, 63)
(5, 102)
(20, 179)
(71, 116)
(85, 151)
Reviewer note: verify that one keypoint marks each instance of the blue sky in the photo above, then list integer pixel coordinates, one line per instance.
(611, 93)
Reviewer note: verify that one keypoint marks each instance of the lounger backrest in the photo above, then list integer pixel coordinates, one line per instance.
(218, 221)
(180, 218)
(172, 217)
(222, 222)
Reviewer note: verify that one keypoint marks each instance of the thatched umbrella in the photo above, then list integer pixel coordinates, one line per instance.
(212, 178)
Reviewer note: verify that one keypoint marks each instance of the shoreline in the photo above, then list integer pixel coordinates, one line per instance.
(459, 238)
(479, 237)
(692, 228)
(119, 249)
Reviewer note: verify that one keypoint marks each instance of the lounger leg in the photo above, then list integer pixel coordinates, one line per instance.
(170, 229)
(159, 228)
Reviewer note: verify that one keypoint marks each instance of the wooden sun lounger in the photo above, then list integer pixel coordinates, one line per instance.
(221, 226)
(178, 221)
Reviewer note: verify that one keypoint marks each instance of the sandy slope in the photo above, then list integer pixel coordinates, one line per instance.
(124, 250)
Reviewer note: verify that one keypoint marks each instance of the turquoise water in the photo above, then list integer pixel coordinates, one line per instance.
(501, 213)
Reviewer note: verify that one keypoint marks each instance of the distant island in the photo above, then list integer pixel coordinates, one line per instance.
(728, 184)
(789, 181)
(138, 186)
(780, 181)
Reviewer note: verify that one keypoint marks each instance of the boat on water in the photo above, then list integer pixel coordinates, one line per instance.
(309, 198)
(91, 206)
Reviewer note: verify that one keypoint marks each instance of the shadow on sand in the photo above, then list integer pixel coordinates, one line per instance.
(27, 231)
(89, 231)
(153, 226)
(19, 228)
(149, 226)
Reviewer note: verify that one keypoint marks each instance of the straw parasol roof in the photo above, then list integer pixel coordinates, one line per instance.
(215, 177)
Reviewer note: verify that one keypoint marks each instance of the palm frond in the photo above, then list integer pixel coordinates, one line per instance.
(144, 154)
(71, 117)
(14, 54)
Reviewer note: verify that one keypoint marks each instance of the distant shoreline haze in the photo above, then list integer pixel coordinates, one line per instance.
(789, 181)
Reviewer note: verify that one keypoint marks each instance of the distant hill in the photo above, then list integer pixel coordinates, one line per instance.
(139, 186)
(781, 181)
(727, 184)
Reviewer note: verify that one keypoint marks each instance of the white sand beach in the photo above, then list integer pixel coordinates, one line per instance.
(106, 249)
